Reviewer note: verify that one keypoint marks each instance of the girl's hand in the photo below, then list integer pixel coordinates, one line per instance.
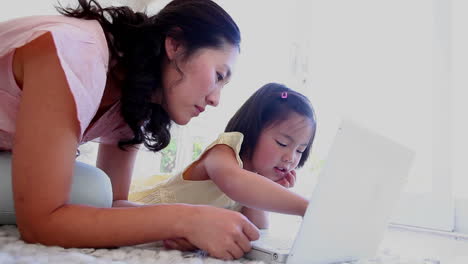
(289, 180)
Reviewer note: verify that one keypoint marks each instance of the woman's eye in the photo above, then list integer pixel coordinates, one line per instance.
(219, 77)
(300, 151)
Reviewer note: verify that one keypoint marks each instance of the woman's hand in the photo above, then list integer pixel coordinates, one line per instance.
(181, 244)
(289, 180)
(222, 233)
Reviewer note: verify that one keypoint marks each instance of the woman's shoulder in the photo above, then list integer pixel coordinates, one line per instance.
(33, 22)
(20, 31)
(81, 49)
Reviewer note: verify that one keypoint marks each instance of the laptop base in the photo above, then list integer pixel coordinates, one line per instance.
(267, 256)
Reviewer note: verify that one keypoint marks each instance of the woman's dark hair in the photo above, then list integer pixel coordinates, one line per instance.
(136, 43)
(266, 107)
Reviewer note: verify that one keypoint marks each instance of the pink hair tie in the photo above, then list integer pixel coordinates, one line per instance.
(284, 95)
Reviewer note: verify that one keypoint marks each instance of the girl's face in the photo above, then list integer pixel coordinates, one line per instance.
(280, 146)
(198, 83)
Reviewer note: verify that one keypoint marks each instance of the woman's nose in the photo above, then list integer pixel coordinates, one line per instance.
(213, 98)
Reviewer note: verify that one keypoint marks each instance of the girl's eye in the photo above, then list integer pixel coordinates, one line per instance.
(281, 144)
(299, 151)
(219, 77)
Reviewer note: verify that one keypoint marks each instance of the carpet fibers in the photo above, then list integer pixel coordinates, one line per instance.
(14, 250)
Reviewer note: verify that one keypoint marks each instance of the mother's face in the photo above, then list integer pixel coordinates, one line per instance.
(190, 85)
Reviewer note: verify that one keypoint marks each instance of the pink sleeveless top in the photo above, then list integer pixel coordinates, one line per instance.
(83, 54)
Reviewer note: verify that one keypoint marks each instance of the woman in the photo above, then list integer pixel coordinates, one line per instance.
(120, 78)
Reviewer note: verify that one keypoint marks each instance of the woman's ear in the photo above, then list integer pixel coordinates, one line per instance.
(174, 48)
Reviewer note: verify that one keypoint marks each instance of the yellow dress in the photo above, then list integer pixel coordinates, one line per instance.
(178, 190)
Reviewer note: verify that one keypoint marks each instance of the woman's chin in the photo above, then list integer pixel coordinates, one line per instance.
(181, 121)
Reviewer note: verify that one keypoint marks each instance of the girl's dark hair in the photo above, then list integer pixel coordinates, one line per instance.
(136, 44)
(266, 107)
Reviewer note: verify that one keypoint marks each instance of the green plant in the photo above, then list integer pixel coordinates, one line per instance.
(197, 149)
(168, 156)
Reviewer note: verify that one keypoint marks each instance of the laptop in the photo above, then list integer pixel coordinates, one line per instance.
(351, 204)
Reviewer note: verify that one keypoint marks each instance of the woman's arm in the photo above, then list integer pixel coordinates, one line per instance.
(247, 187)
(118, 165)
(43, 159)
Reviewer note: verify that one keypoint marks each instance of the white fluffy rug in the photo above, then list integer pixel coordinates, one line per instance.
(13, 250)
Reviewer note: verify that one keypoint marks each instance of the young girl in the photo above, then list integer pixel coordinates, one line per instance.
(248, 166)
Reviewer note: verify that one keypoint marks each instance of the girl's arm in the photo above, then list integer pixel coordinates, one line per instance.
(247, 187)
(258, 217)
(46, 139)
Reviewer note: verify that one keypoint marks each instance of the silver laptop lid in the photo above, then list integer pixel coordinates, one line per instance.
(351, 204)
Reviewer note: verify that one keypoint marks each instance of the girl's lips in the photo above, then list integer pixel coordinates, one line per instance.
(280, 172)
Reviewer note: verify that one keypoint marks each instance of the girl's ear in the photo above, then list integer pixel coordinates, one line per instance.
(174, 48)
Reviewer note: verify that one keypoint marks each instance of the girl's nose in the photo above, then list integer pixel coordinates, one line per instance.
(288, 157)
